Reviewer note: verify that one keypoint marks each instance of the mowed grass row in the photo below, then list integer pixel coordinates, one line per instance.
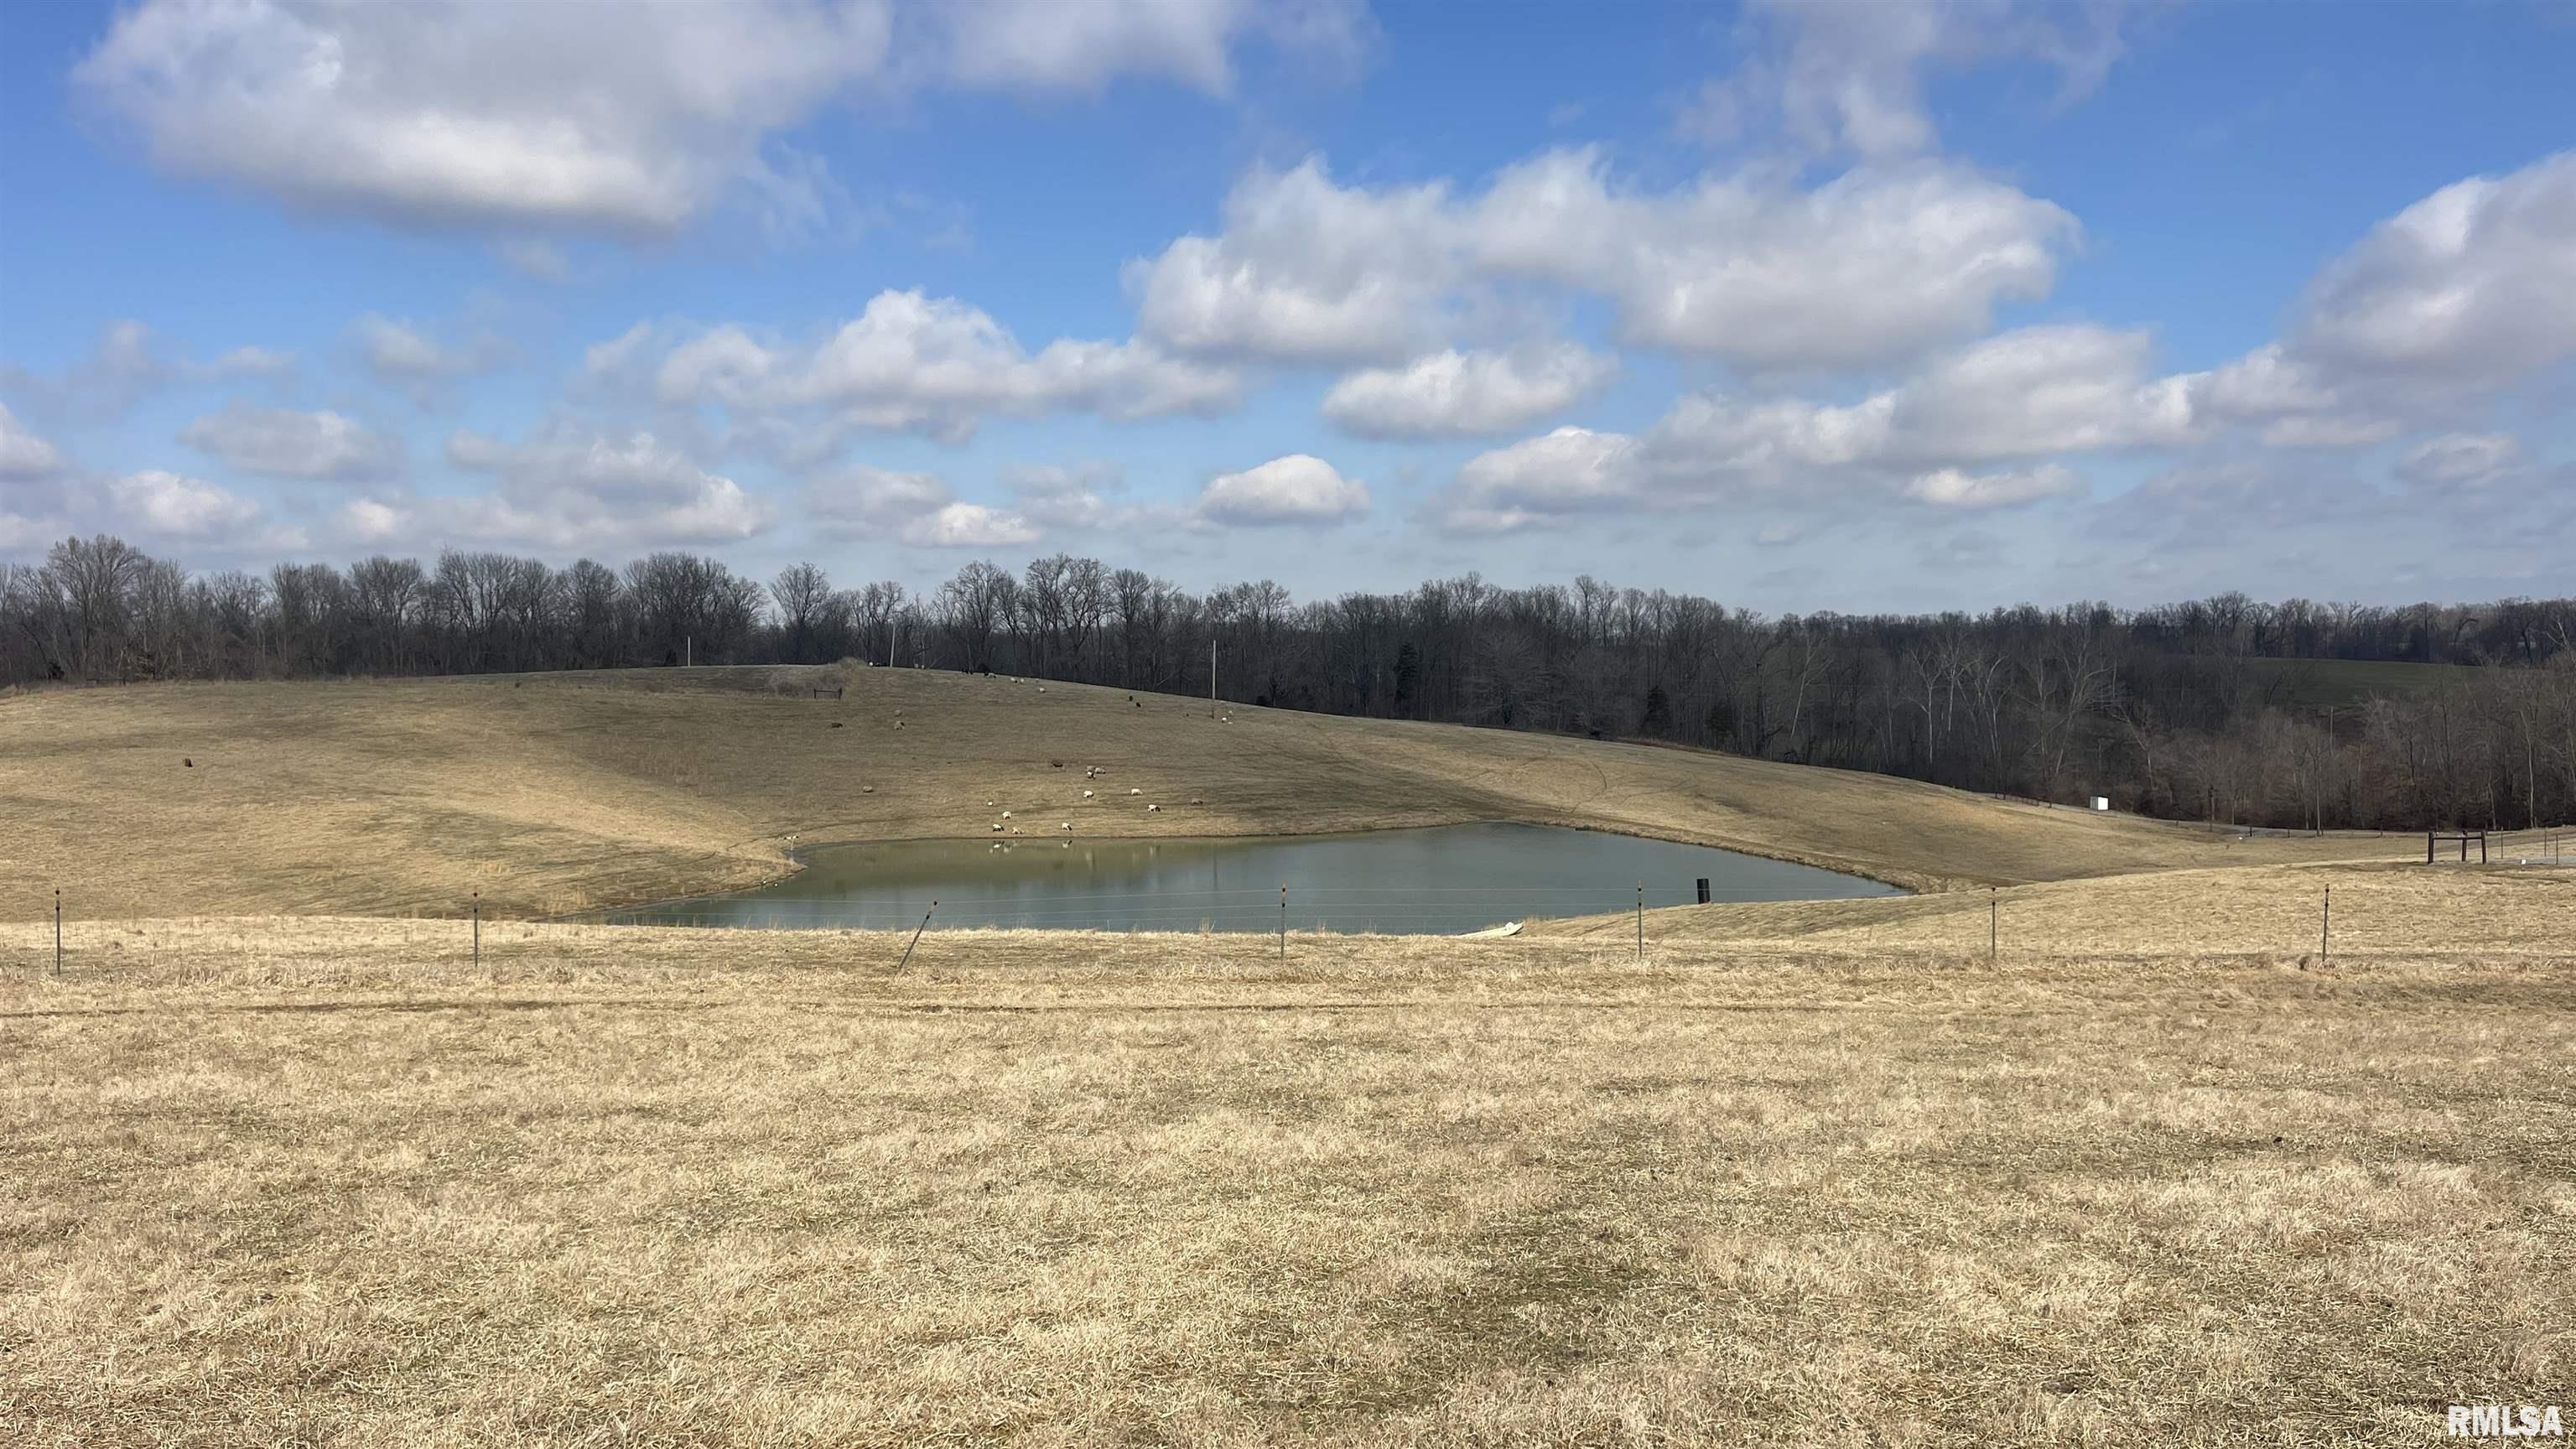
(549, 794)
(1118, 1190)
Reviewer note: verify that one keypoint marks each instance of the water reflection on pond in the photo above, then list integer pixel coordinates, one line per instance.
(1441, 880)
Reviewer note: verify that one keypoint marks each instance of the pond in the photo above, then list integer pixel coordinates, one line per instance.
(1442, 880)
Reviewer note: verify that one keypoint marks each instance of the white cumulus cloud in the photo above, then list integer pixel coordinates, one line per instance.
(568, 488)
(1072, 497)
(1952, 488)
(865, 502)
(1849, 77)
(968, 525)
(23, 455)
(401, 354)
(1465, 394)
(626, 116)
(174, 506)
(1058, 46)
(1872, 266)
(1299, 488)
(286, 443)
(2460, 460)
(2473, 285)
(1531, 481)
(928, 364)
(2021, 396)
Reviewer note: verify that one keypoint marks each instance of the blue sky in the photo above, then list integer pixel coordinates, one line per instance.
(1801, 306)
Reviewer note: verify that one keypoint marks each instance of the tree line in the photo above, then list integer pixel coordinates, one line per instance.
(2204, 710)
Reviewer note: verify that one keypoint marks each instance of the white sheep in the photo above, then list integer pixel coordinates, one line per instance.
(1006, 814)
(1068, 825)
(1135, 792)
(1086, 794)
(997, 827)
(1150, 809)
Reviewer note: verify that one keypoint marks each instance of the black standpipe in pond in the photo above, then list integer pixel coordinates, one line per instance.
(1703, 890)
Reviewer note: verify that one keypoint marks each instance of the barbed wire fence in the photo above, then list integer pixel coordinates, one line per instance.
(1281, 914)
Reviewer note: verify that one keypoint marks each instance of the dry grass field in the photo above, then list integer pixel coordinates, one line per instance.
(282, 1163)
(555, 793)
(324, 1182)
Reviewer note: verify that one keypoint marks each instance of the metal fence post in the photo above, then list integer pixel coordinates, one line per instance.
(478, 930)
(916, 939)
(2325, 926)
(1994, 921)
(1641, 923)
(58, 930)
(1283, 923)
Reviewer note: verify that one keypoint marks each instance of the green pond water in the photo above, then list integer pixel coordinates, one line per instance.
(1442, 880)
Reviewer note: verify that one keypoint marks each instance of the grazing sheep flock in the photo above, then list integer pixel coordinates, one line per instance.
(1089, 772)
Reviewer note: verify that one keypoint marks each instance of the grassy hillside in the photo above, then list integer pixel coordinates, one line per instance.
(2264, 910)
(2312, 684)
(553, 793)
